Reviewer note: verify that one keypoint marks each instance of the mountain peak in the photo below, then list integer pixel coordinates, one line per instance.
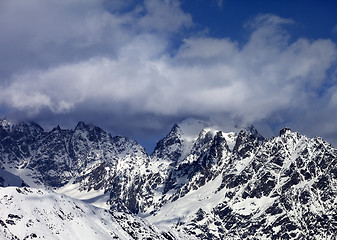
(191, 127)
(284, 130)
(36, 126)
(80, 126)
(252, 130)
(20, 126)
(199, 176)
(57, 128)
(5, 124)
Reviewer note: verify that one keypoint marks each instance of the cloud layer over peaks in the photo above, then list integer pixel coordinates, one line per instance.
(96, 58)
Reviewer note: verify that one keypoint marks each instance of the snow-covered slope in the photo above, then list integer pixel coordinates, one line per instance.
(178, 144)
(212, 181)
(193, 153)
(28, 213)
(283, 188)
(89, 164)
(86, 162)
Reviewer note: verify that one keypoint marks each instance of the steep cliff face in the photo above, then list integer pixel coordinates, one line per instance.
(86, 159)
(189, 156)
(280, 188)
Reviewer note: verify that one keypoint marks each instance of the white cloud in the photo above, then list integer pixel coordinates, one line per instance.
(206, 76)
(86, 59)
(40, 34)
(162, 16)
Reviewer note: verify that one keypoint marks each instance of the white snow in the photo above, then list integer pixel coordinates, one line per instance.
(205, 197)
(191, 128)
(250, 206)
(6, 124)
(230, 139)
(53, 216)
(25, 174)
(96, 197)
(29, 213)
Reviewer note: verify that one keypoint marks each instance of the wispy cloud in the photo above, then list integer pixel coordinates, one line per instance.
(220, 3)
(334, 29)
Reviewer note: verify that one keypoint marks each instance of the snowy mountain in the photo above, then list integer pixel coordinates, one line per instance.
(192, 154)
(86, 159)
(280, 188)
(208, 180)
(28, 213)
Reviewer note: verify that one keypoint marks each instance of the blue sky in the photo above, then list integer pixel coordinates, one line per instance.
(135, 68)
(314, 19)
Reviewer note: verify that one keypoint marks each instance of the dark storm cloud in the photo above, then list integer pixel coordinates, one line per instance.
(79, 60)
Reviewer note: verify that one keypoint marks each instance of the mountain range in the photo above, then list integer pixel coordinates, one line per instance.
(202, 181)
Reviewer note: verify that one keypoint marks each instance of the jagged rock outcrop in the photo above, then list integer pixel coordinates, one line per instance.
(86, 157)
(200, 179)
(281, 188)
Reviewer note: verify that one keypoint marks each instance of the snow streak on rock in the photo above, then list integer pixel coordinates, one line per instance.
(203, 179)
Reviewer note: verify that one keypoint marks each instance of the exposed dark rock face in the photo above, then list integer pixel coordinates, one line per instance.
(285, 190)
(87, 156)
(279, 188)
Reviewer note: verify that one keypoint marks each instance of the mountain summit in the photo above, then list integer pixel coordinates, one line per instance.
(202, 181)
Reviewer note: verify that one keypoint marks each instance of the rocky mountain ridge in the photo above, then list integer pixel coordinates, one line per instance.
(284, 188)
(200, 179)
